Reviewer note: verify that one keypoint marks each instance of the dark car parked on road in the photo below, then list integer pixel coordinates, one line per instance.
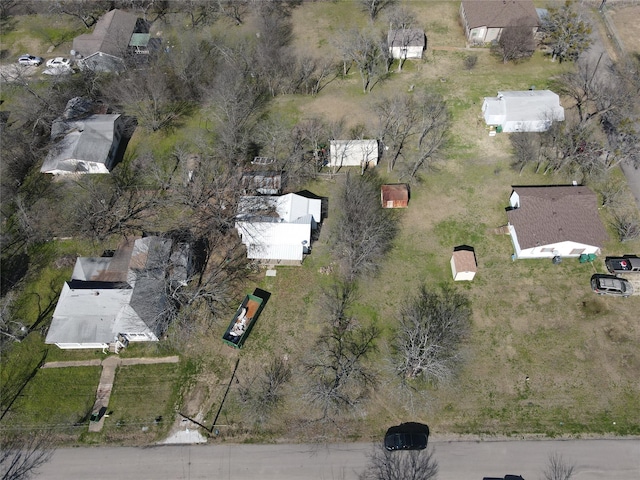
(407, 436)
(611, 285)
(506, 477)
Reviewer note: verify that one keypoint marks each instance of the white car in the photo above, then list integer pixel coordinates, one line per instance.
(58, 66)
(30, 60)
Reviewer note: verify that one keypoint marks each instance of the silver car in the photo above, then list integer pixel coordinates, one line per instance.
(30, 60)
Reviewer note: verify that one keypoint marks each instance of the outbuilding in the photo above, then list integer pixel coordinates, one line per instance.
(406, 43)
(353, 153)
(394, 195)
(523, 111)
(463, 263)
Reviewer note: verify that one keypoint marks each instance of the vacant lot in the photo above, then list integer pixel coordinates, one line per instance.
(625, 19)
(546, 356)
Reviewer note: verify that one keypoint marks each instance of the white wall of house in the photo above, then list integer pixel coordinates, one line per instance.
(561, 249)
(76, 166)
(406, 52)
(78, 346)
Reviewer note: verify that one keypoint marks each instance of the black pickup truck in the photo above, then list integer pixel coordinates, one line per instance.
(625, 264)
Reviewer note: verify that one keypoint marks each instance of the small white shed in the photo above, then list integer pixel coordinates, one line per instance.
(406, 43)
(463, 264)
(353, 153)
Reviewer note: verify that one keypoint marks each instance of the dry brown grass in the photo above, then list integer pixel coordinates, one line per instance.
(625, 18)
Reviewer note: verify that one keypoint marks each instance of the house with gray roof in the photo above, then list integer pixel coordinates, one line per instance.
(111, 301)
(84, 145)
(554, 221)
(116, 34)
(484, 20)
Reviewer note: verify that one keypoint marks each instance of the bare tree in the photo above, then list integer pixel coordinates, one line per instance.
(593, 91)
(557, 468)
(362, 49)
(432, 327)
(397, 116)
(414, 465)
(236, 100)
(612, 192)
(87, 11)
(525, 149)
(5, 9)
(515, 43)
(236, 10)
(338, 377)
(626, 225)
(374, 7)
(405, 116)
(22, 456)
(431, 128)
(149, 97)
(264, 392)
(363, 231)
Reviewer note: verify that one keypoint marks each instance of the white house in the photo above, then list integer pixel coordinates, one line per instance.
(277, 229)
(523, 111)
(85, 145)
(406, 43)
(111, 301)
(563, 221)
(484, 20)
(353, 153)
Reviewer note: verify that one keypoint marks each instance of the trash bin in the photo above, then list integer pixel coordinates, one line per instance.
(556, 260)
(591, 257)
(584, 258)
(499, 129)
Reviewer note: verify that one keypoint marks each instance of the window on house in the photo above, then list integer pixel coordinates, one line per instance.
(547, 250)
(577, 251)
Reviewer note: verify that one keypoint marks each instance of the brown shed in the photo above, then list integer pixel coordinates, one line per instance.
(395, 195)
(463, 263)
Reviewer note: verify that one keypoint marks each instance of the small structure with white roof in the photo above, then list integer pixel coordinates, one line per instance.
(523, 111)
(277, 229)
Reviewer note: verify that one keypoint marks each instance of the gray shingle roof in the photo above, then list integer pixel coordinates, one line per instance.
(408, 37)
(111, 35)
(499, 13)
(557, 214)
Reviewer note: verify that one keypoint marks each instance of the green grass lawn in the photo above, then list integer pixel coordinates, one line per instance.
(57, 400)
(140, 396)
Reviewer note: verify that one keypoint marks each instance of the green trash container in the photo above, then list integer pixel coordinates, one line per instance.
(591, 257)
(584, 258)
(499, 129)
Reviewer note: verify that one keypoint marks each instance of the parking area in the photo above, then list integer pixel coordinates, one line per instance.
(634, 279)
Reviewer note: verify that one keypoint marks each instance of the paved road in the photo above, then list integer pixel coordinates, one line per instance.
(595, 459)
